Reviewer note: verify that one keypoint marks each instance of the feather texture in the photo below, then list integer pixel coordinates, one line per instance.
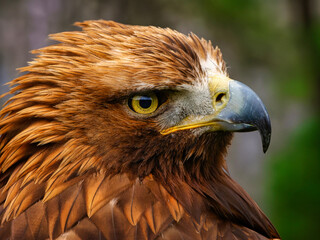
(133, 210)
(75, 164)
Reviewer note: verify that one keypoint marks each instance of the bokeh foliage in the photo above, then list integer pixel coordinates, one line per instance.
(295, 184)
(261, 35)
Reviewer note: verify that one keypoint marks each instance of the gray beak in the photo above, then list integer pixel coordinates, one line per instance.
(245, 112)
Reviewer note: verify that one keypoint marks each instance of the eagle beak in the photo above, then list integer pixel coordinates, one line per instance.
(244, 112)
(237, 108)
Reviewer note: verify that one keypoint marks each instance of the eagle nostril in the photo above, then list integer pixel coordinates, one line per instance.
(220, 99)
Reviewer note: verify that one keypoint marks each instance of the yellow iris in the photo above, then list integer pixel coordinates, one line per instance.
(144, 104)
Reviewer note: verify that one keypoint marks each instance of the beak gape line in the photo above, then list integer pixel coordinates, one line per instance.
(237, 109)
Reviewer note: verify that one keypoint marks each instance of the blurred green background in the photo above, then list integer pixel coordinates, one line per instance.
(273, 46)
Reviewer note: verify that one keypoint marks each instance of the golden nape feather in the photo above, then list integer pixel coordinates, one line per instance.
(120, 132)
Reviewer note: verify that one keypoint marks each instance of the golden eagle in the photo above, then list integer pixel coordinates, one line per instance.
(120, 132)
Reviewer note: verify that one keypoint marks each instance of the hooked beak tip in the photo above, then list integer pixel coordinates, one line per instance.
(244, 109)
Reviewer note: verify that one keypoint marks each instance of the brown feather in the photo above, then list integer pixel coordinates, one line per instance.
(74, 164)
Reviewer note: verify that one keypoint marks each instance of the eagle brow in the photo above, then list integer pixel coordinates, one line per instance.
(121, 96)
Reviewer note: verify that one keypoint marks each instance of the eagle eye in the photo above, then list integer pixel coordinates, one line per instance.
(144, 103)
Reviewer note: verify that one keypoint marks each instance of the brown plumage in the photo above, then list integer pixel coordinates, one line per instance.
(77, 163)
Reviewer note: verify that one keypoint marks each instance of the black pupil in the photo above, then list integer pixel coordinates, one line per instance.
(145, 102)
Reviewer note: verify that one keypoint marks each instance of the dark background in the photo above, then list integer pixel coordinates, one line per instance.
(273, 46)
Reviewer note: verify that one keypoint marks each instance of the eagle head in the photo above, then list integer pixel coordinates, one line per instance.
(143, 102)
